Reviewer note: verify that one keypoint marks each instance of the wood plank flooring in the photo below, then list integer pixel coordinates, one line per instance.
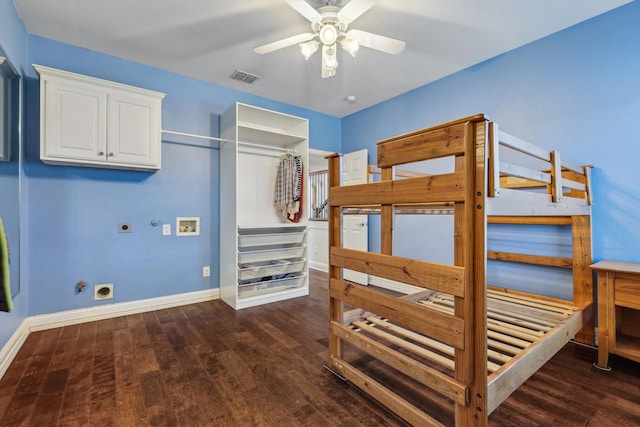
(208, 365)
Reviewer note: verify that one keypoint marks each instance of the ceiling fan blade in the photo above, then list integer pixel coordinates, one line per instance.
(377, 42)
(304, 9)
(355, 8)
(289, 41)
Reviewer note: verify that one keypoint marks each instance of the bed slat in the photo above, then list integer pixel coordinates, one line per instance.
(508, 339)
(404, 344)
(431, 343)
(520, 368)
(441, 326)
(533, 303)
(521, 320)
(436, 345)
(435, 380)
(505, 348)
(534, 314)
(515, 330)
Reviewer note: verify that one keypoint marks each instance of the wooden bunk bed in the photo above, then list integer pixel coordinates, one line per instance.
(457, 343)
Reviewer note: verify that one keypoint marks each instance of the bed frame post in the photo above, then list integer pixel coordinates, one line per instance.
(582, 274)
(386, 218)
(556, 177)
(336, 307)
(493, 149)
(469, 252)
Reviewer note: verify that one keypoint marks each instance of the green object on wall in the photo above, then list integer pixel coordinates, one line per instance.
(6, 304)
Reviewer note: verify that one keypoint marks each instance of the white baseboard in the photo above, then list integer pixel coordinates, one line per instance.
(11, 348)
(393, 285)
(319, 266)
(108, 311)
(376, 281)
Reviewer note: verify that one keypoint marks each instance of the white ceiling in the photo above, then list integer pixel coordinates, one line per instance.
(209, 39)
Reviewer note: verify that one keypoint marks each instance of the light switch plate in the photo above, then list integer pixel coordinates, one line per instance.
(166, 229)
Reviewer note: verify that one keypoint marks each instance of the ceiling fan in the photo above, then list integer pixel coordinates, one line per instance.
(329, 25)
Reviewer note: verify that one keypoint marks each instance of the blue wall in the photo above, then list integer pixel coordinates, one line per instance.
(577, 91)
(13, 38)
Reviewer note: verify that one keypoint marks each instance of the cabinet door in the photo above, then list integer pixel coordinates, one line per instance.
(74, 122)
(134, 129)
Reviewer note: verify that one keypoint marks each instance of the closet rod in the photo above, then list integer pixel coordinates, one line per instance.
(193, 135)
(270, 147)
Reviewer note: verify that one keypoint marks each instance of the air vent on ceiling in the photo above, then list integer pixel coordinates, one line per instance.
(243, 76)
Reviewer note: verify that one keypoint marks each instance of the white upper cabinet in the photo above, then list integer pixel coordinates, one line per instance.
(134, 129)
(92, 122)
(74, 118)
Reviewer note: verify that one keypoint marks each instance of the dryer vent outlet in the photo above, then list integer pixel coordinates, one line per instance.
(104, 291)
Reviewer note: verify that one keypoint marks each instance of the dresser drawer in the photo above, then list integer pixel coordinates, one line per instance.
(627, 292)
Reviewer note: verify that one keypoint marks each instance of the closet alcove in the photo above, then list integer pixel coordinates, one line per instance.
(263, 255)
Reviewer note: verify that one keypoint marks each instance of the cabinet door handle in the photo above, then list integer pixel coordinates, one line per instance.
(101, 153)
(110, 154)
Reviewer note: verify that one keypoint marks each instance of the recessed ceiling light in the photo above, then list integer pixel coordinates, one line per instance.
(351, 99)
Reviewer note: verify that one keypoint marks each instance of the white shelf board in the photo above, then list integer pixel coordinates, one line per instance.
(251, 132)
(276, 296)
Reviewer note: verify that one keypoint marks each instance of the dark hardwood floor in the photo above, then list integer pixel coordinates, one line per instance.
(208, 365)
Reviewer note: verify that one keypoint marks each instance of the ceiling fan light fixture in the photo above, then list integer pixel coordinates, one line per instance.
(329, 57)
(350, 46)
(328, 34)
(329, 61)
(329, 27)
(309, 48)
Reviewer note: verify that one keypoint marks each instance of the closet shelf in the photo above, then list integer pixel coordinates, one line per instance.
(251, 289)
(259, 239)
(261, 117)
(267, 135)
(256, 270)
(282, 226)
(266, 253)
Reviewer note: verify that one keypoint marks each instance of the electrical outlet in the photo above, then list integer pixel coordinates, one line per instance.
(166, 229)
(206, 271)
(103, 291)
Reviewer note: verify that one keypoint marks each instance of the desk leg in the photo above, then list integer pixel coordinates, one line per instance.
(603, 322)
(603, 352)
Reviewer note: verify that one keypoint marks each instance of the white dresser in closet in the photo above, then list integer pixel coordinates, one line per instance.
(262, 254)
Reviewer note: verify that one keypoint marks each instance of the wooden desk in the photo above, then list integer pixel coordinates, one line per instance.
(618, 311)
